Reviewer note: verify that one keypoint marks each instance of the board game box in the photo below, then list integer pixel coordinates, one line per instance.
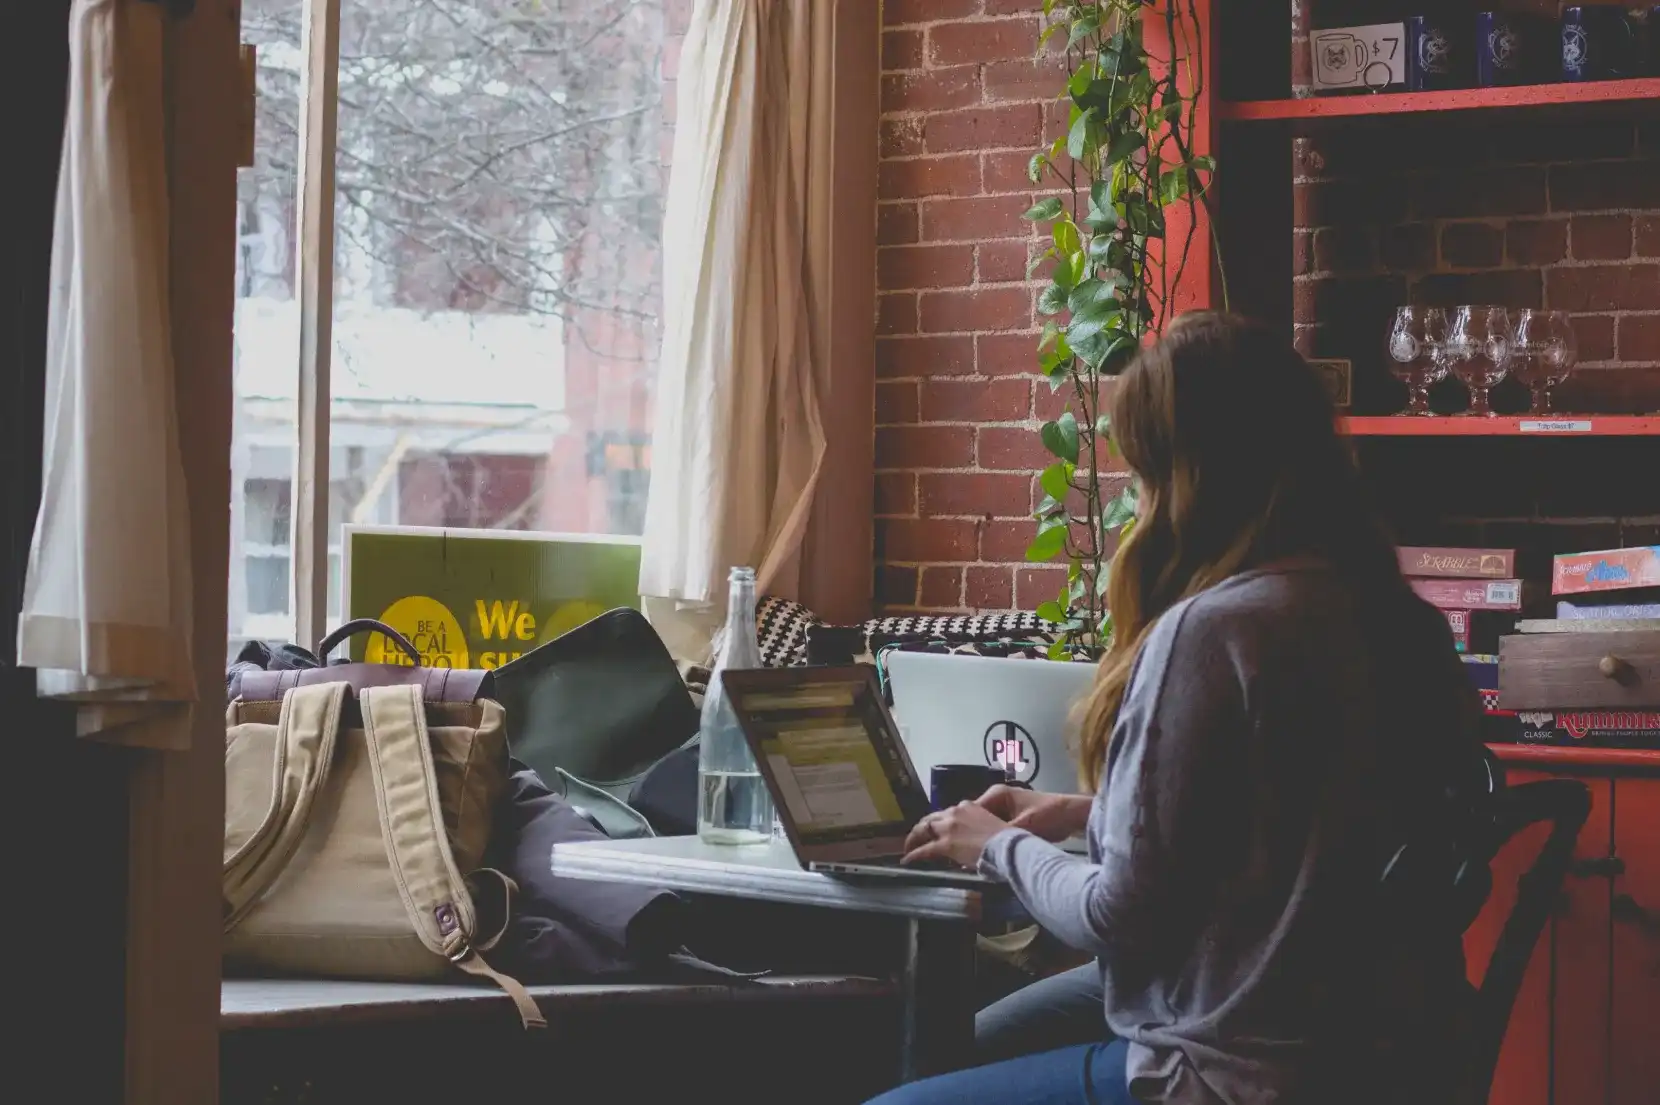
(1458, 563)
(1610, 570)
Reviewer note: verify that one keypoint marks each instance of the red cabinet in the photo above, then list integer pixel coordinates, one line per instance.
(1634, 1053)
(1523, 1074)
(1586, 1027)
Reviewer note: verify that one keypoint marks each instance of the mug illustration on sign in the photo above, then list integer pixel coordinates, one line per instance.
(1344, 58)
(1339, 54)
(1009, 746)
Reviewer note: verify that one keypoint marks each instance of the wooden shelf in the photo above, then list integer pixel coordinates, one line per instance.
(1555, 425)
(1636, 91)
(1556, 755)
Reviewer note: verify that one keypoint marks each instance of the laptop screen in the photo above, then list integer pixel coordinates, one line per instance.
(830, 754)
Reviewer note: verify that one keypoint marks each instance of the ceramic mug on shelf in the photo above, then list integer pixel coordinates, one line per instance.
(1504, 43)
(1437, 53)
(1599, 43)
(1651, 41)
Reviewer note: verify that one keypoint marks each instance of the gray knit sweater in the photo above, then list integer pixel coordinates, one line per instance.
(1256, 770)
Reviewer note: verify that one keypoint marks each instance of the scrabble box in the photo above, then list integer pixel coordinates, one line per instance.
(1420, 562)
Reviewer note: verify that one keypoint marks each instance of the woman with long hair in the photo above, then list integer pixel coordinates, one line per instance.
(1275, 714)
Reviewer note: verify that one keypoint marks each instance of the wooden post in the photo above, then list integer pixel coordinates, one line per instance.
(315, 269)
(176, 799)
(838, 547)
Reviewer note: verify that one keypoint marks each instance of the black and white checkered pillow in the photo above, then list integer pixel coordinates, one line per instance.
(783, 627)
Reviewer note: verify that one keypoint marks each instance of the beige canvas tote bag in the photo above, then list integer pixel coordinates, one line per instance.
(355, 833)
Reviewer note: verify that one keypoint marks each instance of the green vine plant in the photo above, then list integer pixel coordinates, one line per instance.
(1126, 158)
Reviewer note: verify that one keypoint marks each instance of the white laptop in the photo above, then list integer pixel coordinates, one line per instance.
(1019, 715)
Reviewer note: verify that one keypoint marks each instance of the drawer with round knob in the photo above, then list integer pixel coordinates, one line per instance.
(1578, 671)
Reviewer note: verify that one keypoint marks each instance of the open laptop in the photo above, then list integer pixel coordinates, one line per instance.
(832, 759)
(1013, 714)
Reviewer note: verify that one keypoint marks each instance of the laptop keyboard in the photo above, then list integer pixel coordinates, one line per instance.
(925, 865)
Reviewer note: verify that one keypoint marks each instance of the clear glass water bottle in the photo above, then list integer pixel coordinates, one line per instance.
(733, 806)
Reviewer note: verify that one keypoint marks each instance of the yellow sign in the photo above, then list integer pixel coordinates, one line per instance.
(476, 599)
(430, 627)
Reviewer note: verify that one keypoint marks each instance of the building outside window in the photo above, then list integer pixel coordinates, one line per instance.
(495, 288)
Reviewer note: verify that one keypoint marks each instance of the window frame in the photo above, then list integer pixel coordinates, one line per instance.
(314, 286)
(837, 555)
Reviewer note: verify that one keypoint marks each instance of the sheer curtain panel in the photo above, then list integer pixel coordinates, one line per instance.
(106, 604)
(739, 443)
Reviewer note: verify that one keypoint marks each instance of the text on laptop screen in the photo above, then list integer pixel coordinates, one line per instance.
(833, 764)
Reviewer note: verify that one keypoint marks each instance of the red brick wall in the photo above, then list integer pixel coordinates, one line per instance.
(963, 108)
(1557, 215)
(1560, 215)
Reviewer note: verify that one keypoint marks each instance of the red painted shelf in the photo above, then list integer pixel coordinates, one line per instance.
(1421, 103)
(1555, 425)
(1549, 755)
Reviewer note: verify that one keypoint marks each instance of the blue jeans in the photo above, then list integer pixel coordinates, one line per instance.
(1059, 1011)
(1086, 1074)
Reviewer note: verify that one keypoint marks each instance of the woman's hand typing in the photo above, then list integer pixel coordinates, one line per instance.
(1053, 817)
(957, 834)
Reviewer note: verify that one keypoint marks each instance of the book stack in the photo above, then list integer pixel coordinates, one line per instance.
(1465, 584)
(1616, 585)
(1478, 592)
(1600, 596)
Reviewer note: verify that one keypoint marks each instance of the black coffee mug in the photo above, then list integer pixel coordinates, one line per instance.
(1598, 44)
(1437, 54)
(1502, 46)
(949, 784)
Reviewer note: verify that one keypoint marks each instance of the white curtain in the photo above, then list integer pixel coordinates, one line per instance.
(738, 442)
(106, 602)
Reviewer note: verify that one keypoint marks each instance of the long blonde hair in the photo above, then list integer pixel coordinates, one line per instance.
(1235, 446)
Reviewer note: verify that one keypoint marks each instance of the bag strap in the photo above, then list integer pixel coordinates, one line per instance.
(437, 899)
(366, 625)
(308, 726)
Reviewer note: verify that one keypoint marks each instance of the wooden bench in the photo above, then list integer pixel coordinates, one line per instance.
(828, 1039)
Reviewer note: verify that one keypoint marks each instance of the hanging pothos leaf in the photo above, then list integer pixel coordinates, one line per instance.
(1124, 157)
(1060, 437)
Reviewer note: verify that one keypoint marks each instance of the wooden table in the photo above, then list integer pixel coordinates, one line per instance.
(937, 973)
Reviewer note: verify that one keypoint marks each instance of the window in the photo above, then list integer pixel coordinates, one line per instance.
(479, 491)
(262, 568)
(495, 287)
(267, 510)
(268, 505)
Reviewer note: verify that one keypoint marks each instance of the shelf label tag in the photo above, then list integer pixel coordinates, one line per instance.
(1371, 57)
(1556, 426)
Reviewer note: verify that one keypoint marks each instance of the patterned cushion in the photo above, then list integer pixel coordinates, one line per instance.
(784, 627)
